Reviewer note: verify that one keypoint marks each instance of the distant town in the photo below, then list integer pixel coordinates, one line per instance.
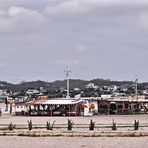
(75, 97)
(58, 89)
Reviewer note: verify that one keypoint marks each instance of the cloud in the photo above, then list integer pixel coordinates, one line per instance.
(80, 48)
(77, 7)
(68, 7)
(2, 64)
(95, 37)
(70, 62)
(20, 19)
(142, 22)
(1, 12)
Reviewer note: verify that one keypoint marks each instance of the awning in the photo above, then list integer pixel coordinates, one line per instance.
(55, 102)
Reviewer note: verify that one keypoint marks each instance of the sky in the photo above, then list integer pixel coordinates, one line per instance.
(94, 38)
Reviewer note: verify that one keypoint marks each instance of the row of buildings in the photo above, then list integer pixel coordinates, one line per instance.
(38, 102)
(84, 106)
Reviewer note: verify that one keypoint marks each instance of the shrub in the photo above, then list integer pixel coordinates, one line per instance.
(114, 127)
(91, 125)
(70, 124)
(136, 125)
(11, 126)
(50, 126)
(30, 125)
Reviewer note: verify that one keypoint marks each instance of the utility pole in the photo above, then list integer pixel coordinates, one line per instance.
(136, 88)
(136, 92)
(68, 71)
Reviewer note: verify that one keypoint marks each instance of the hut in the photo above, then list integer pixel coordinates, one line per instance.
(55, 107)
(123, 105)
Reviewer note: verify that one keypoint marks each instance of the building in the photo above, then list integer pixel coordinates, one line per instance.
(51, 107)
(91, 85)
(32, 91)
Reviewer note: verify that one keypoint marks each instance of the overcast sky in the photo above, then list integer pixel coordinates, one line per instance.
(95, 38)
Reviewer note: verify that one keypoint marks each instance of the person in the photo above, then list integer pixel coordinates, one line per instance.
(0, 111)
(10, 109)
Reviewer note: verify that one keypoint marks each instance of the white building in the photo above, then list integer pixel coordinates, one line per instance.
(32, 91)
(91, 85)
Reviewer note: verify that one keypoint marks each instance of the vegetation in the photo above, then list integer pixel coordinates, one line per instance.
(136, 125)
(91, 125)
(30, 124)
(49, 125)
(11, 126)
(114, 127)
(57, 89)
(58, 84)
(70, 124)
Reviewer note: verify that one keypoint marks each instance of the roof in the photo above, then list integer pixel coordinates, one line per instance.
(55, 102)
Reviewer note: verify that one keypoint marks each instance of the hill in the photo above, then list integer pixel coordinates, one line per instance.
(74, 83)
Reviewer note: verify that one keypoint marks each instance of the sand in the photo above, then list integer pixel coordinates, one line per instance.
(100, 119)
(73, 142)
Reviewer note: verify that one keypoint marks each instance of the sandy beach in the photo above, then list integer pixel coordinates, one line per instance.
(100, 119)
(73, 142)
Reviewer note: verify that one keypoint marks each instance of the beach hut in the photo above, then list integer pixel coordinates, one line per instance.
(55, 107)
